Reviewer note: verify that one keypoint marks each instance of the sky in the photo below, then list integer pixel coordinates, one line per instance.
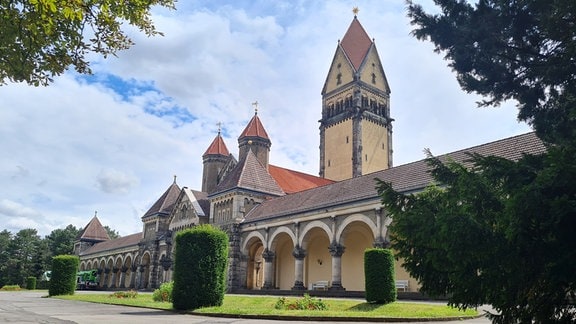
(112, 142)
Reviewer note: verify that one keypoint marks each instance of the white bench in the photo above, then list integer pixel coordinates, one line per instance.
(402, 284)
(320, 285)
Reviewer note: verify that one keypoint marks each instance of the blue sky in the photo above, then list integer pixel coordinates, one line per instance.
(112, 142)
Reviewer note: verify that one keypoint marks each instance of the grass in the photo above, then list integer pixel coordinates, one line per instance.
(238, 305)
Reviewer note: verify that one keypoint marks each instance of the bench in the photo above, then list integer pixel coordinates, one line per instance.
(320, 285)
(402, 284)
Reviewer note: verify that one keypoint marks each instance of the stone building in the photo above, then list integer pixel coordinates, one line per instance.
(287, 229)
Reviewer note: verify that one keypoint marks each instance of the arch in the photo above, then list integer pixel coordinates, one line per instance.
(310, 226)
(282, 229)
(249, 238)
(351, 219)
(145, 270)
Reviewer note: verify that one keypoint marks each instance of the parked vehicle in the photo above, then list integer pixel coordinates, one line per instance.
(87, 279)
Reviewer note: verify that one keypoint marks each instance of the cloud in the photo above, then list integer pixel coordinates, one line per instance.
(114, 181)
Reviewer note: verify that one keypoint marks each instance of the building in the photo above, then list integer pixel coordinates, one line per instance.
(287, 229)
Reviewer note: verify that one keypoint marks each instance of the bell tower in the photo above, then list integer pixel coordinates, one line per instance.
(356, 127)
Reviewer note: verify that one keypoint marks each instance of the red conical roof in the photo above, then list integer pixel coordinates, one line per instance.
(254, 129)
(356, 43)
(217, 147)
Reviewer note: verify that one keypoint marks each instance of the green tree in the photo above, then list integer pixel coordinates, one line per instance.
(22, 256)
(113, 234)
(521, 50)
(5, 238)
(40, 39)
(501, 232)
(61, 241)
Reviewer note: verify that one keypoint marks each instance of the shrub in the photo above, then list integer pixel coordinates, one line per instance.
(63, 280)
(200, 260)
(124, 294)
(164, 293)
(11, 288)
(304, 303)
(379, 274)
(31, 283)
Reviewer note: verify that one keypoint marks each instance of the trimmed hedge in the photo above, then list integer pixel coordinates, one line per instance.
(31, 283)
(63, 280)
(200, 261)
(379, 274)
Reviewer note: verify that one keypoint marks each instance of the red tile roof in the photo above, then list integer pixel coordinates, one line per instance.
(356, 43)
(94, 231)
(255, 129)
(217, 147)
(293, 181)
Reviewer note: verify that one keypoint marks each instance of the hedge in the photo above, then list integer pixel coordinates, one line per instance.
(63, 280)
(200, 261)
(379, 274)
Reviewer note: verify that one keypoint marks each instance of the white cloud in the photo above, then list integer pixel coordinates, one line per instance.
(111, 143)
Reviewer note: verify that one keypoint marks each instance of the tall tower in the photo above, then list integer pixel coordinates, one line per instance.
(356, 128)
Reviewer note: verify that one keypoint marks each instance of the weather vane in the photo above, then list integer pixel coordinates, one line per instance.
(255, 104)
(355, 10)
(219, 126)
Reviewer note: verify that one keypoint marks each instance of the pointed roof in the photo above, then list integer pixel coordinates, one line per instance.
(94, 231)
(217, 147)
(252, 175)
(293, 181)
(166, 202)
(356, 43)
(254, 129)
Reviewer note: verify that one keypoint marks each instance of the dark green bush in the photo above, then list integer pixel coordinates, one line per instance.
(63, 280)
(200, 260)
(31, 283)
(379, 274)
(164, 293)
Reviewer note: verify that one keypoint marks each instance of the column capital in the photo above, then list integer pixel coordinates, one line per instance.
(268, 255)
(381, 243)
(336, 250)
(299, 253)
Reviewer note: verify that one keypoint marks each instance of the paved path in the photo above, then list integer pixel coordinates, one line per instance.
(30, 307)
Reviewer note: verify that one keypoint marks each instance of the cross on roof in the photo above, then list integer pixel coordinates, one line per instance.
(255, 104)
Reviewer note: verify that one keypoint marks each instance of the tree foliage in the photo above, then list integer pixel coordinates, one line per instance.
(201, 258)
(379, 274)
(40, 39)
(521, 50)
(61, 241)
(500, 233)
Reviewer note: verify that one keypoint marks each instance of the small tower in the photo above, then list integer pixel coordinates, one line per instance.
(356, 128)
(214, 160)
(254, 138)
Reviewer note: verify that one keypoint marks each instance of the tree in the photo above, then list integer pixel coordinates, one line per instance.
(40, 39)
(61, 241)
(521, 50)
(22, 256)
(113, 234)
(499, 231)
(5, 238)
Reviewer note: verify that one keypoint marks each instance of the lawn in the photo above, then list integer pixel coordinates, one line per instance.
(238, 305)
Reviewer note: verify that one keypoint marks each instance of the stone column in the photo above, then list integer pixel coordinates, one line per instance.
(123, 276)
(141, 269)
(336, 251)
(299, 254)
(106, 278)
(100, 277)
(133, 274)
(268, 269)
(114, 276)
